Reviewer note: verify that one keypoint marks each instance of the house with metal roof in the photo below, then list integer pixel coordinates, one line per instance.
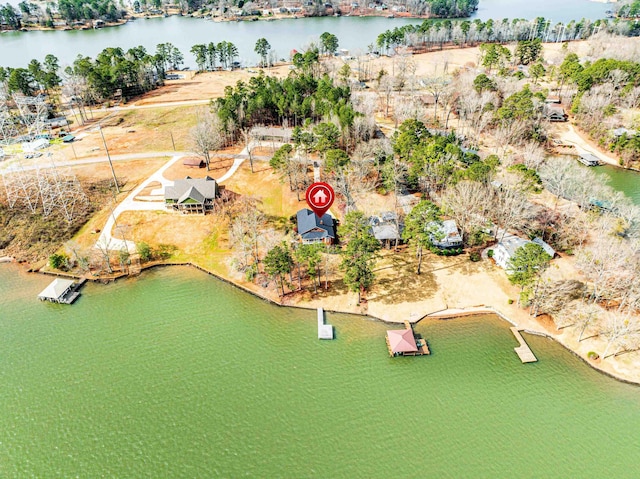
(618, 132)
(445, 234)
(191, 195)
(545, 246)
(505, 249)
(312, 229)
(386, 229)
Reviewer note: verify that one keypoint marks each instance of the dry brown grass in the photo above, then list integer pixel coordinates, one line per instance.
(275, 198)
(202, 86)
(134, 131)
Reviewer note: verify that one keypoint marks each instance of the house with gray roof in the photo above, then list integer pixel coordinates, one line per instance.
(553, 112)
(191, 195)
(386, 229)
(505, 249)
(445, 234)
(312, 229)
(545, 246)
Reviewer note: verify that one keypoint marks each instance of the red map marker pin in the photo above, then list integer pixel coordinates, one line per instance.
(320, 197)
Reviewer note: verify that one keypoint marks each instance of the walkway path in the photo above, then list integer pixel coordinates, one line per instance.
(582, 145)
(106, 239)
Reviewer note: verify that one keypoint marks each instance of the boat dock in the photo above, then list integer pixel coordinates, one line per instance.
(402, 342)
(523, 351)
(325, 331)
(63, 291)
(589, 159)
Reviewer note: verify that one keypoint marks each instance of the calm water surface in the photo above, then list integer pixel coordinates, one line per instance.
(622, 180)
(354, 33)
(175, 374)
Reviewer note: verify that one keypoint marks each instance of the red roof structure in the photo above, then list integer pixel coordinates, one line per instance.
(402, 341)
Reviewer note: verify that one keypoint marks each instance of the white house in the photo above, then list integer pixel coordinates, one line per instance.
(447, 235)
(545, 246)
(505, 249)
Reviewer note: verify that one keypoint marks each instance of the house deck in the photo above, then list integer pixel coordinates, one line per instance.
(523, 351)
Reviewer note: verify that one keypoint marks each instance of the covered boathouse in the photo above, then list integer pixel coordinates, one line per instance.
(402, 342)
(60, 291)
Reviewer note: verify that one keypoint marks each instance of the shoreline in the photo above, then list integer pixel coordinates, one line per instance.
(444, 314)
(217, 19)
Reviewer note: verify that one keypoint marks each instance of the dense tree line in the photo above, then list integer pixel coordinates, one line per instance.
(208, 55)
(133, 71)
(435, 34)
(72, 10)
(36, 77)
(452, 8)
(292, 100)
(10, 16)
(630, 10)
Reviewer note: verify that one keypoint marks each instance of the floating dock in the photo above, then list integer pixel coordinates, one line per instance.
(523, 351)
(325, 331)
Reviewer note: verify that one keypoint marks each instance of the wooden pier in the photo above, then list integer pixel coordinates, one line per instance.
(523, 351)
(325, 331)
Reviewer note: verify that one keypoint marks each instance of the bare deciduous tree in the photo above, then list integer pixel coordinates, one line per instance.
(207, 135)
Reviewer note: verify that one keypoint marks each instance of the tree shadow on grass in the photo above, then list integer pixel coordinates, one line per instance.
(397, 281)
(337, 287)
(467, 267)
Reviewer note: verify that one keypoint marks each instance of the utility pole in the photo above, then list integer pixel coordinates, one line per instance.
(115, 180)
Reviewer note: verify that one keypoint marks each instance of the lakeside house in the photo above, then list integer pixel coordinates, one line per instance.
(386, 229)
(506, 249)
(618, 132)
(445, 234)
(191, 196)
(312, 229)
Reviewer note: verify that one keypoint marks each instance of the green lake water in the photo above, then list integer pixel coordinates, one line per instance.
(626, 181)
(176, 374)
